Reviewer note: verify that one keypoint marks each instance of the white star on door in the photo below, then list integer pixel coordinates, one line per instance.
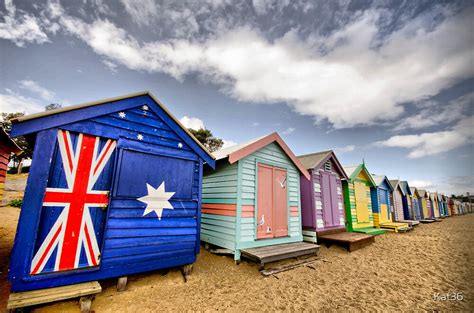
(157, 200)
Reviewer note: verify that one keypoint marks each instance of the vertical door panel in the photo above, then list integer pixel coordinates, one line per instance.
(362, 205)
(280, 202)
(326, 199)
(334, 201)
(265, 202)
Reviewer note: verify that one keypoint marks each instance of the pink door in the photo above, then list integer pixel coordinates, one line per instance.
(280, 206)
(272, 202)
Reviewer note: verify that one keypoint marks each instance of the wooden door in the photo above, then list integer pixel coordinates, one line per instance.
(272, 202)
(280, 204)
(329, 200)
(74, 206)
(265, 202)
(326, 200)
(399, 205)
(334, 201)
(384, 209)
(362, 202)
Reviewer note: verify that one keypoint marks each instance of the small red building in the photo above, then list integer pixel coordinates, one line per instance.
(7, 147)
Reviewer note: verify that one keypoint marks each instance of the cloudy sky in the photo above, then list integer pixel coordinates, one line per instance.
(391, 82)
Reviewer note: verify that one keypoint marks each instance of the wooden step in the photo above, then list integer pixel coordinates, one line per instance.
(279, 252)
(34, 297)
(350, 241)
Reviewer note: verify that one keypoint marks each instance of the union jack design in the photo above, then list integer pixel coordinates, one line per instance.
(74, 229)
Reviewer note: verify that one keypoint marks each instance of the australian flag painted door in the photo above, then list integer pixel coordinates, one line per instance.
(73, 213)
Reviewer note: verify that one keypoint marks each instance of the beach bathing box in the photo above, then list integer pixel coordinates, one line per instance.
(396, 198)
(415, 204)
(358, 202)
(407, 201)
(425, 204)
(252, 199)
(435, 205)
(7, 147)
(114, 189)
(442, 213)
(381, 206)
(322, 200)
(445, 205)
(453, 209)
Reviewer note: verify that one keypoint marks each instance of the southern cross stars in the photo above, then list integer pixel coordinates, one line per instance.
(156, 200)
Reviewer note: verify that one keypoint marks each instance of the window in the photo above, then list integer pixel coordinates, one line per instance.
(328, 166)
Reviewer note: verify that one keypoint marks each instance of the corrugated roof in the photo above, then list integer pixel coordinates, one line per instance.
(311, 160)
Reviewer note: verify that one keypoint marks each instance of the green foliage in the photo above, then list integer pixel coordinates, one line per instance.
(16, 203)
(52, 106)
(5, 122)
(205, 136)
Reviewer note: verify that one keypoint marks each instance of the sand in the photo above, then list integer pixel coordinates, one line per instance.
(399, 271)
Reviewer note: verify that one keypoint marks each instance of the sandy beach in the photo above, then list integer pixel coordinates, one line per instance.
(398, 272)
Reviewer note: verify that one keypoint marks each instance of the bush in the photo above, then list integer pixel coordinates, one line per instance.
(16, 203)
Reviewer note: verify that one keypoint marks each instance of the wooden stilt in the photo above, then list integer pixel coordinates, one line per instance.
(122, 284)
(85, 304)
(186, 270)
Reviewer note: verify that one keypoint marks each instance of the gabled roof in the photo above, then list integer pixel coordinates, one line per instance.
(413, 190)
(9, 143)
(396, 184)
(40, 121)
(242, 150)
(406, 187)
(379, 179)
(422, 193)
(353, 171)
(316, 160)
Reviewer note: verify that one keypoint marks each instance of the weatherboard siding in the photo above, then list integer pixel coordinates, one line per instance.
(229, 193)
(351, 211)
(129, 237)
(273, 155)
(219, 205)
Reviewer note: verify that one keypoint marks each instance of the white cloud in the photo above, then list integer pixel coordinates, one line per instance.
(192, 122)
(348, 148)
(255, 124)
(288, 131)
(360, 79)
(11, 102)
(34, 87)
(21, 28)
(426, 144)
(263, 7)
(111, 66)
(453, 185)
(143, 12)
(434, 113)
(228, 143)
(421, 184)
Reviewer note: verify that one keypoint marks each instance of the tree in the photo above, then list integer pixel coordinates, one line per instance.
(205, 137)
(6, 123)
(52, 106)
